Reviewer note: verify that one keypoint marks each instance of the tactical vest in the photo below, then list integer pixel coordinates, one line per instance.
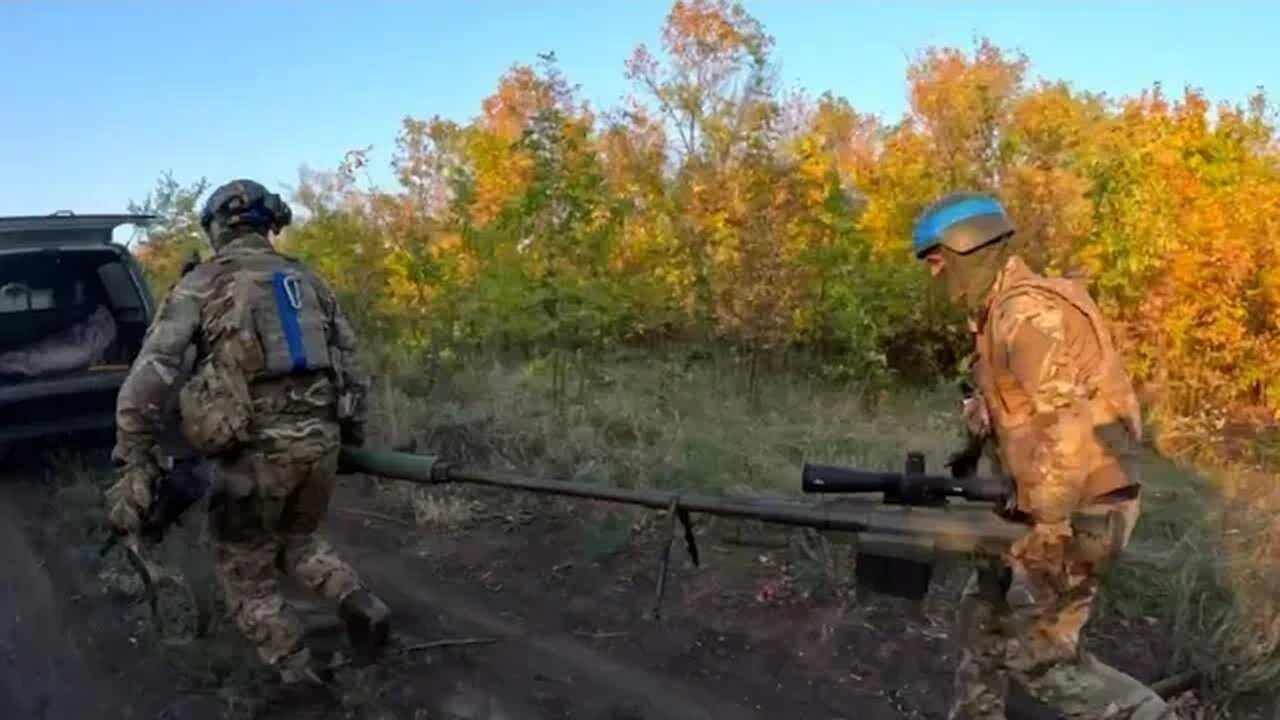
(262, 320)
(1110, 452)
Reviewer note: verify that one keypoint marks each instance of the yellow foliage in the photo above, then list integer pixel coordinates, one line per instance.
(725, 209)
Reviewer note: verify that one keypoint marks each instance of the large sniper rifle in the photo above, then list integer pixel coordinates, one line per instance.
(897, 540)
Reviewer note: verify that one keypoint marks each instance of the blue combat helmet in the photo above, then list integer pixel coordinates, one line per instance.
(962, 223)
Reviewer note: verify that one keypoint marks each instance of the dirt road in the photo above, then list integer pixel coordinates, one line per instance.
(65, 652)
(737, 639)
(44, 672)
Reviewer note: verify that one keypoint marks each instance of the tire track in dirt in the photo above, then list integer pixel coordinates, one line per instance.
(45, 673)
(531, 668)
(65, 651)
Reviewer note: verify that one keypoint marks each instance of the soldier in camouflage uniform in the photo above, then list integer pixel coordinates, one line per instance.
(1054, 400)
(274, 388)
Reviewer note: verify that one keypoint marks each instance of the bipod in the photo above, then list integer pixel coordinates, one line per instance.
(674, 513)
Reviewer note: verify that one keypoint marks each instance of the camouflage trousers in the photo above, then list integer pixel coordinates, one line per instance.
(1015, 626)
(263, 523)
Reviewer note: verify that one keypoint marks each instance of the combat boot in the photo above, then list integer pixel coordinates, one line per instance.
(368, 622)
(305, 689)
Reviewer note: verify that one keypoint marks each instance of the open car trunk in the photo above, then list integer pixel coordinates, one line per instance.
(73, 312)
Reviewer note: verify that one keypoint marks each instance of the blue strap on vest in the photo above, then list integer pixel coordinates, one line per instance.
(288, 303)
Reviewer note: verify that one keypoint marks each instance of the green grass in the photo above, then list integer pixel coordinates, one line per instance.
(1200, 566)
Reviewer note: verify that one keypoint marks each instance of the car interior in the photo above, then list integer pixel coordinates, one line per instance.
(43, 293)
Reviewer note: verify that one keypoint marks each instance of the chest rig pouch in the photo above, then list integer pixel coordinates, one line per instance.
(262, 321)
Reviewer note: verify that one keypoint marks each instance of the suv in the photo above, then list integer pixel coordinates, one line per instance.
(74, 307)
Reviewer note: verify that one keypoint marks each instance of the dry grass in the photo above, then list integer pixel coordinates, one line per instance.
(1202, 563)
(636, 424)
(1245, 523)
(1205, 563)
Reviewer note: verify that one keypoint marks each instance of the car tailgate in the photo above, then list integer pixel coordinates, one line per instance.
(96, 380)
(67, 404)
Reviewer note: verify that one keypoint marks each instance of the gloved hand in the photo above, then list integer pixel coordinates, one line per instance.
(130, 496)
(124, 517)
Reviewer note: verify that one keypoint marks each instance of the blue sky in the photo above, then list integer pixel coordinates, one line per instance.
(98, 98)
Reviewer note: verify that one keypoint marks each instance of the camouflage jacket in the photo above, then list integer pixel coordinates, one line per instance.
(1059, 404)
(285, 406)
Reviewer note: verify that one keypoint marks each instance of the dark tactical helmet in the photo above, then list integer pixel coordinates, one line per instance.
(962, 223)
(245, 203)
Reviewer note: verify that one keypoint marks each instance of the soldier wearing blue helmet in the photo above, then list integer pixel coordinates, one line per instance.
(1056, 403)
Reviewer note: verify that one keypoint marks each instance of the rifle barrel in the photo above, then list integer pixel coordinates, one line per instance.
(959, 531)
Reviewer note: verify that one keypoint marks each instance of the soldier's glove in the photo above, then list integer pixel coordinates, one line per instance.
(124, 517)
(130, 496)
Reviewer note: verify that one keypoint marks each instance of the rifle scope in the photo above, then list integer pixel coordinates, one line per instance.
(912, 486)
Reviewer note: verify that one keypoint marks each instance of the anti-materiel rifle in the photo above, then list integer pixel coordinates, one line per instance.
(883, 532)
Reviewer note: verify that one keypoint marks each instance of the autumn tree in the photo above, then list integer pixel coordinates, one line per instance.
(716, 206)
(175, 236)
(713, 89)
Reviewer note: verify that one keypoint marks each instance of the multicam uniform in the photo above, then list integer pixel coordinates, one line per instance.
(276, 386)
(1056, 400)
